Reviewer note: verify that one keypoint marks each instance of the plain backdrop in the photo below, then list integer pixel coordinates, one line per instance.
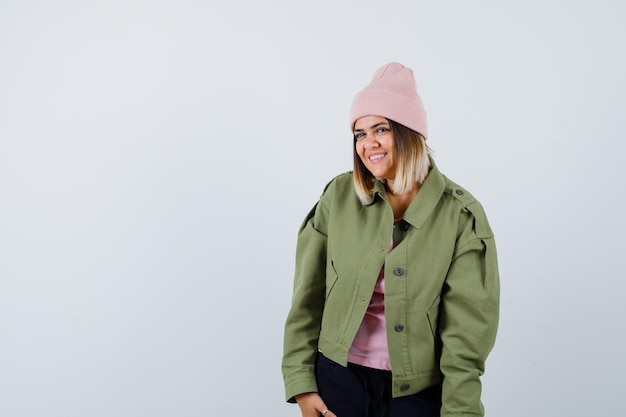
(157, 158)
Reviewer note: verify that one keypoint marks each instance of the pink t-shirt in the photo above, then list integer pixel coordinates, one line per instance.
(369, 347)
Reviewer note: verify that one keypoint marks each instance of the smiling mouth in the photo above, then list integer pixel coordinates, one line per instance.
(377, 157)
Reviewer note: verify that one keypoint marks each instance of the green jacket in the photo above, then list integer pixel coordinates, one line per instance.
(441, 289)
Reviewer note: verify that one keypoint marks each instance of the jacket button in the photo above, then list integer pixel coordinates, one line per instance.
(399, 327)
(398, 271)
(404, 387)
(459, 192)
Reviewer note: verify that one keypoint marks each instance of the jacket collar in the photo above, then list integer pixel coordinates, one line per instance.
(426, 199)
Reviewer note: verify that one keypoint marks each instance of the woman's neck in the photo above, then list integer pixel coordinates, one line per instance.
(400, 202)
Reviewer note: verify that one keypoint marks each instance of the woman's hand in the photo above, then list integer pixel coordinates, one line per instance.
(312, 405)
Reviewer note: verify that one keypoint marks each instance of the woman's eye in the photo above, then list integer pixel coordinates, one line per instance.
(381, 130)
(358, 135)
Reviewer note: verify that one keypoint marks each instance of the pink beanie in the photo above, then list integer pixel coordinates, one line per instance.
(391, 94)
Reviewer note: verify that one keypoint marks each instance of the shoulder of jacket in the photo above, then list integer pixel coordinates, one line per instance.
(340, 181)
(460, 194)
(469, 204)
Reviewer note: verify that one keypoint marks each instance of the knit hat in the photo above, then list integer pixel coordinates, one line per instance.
(391, 94)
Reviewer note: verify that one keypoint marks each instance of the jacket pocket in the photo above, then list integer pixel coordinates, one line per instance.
(331, 279)
(433, 317)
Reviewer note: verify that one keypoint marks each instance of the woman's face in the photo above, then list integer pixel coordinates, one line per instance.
(375, 145)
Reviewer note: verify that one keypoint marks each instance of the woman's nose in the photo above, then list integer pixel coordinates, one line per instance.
(370, 142)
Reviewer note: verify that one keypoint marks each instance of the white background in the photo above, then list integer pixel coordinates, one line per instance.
(157, 157)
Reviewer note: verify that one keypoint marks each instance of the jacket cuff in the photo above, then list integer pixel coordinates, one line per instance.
(299, 384)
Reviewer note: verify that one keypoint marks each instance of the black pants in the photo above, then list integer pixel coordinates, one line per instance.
(358, 391)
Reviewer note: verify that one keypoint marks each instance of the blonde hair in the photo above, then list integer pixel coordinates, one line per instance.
(412, 164)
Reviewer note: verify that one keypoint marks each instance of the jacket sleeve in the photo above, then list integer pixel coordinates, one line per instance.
(469, 314)
(302, 327)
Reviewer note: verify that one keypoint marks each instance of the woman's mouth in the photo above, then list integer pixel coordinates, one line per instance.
(376, 157)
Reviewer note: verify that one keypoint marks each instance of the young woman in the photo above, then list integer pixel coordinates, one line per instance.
(396, 289)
